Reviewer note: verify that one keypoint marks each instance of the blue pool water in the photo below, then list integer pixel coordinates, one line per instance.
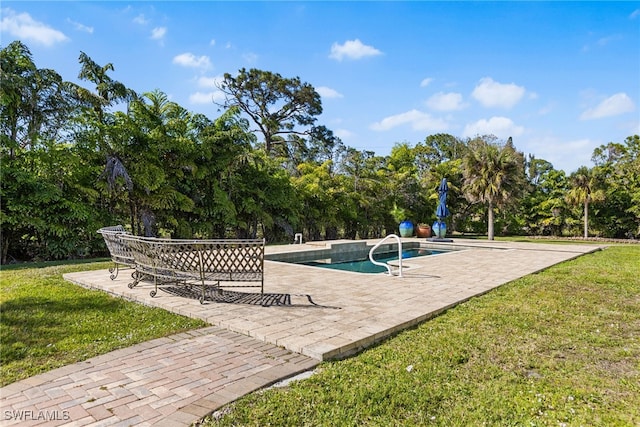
(366, 266)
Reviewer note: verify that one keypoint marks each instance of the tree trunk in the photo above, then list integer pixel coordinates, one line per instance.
(132, 217)
(586, 218)
(490, 220)
(331, 233)
(5, 247)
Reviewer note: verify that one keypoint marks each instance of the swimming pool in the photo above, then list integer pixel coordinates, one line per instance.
(354, 255)
(363, 265)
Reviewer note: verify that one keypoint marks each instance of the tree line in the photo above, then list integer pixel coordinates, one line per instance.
(74, 159)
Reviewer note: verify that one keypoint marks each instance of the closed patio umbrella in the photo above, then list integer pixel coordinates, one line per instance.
(439, 227)
(442, 210)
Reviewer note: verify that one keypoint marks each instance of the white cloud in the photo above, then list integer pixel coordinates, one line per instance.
(209, 82)
(190, 60)
(80, 27)
(25, 28)
(501, 127)
(563, 154)
(426, 82)
(141, 20)
(493, 94)
(634, 14)
(606, 40)
(617, 104)
(343, 134)
(416, 119)
(206, 97)
(212, 42)
(327, 92)
(445, 101)
(352, 49)
(158, 33)
(250, 57)
(547, 109)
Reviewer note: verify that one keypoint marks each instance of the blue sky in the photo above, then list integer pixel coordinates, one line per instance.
(561, 78)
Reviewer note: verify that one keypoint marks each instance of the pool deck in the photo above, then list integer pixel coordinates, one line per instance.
(322, 314)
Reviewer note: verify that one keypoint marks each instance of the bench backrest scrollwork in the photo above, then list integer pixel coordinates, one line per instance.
(199, 259)
(118, 249)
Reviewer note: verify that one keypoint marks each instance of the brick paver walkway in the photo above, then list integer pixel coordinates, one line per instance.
(172, 381)
(176, 381)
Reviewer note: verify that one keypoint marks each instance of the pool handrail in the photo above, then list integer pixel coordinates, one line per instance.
(386, 264)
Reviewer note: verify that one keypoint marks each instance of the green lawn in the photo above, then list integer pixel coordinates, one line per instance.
(561, 347)
(557, 348)
(47, 322)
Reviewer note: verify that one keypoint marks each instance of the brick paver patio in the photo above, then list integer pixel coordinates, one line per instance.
(177, 380)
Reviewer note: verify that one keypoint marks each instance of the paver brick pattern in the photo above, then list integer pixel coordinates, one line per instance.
(151, 383)
(177, 380)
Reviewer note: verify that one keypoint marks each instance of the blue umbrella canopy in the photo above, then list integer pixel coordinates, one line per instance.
(443, 189)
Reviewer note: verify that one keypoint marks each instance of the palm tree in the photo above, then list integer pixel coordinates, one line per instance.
(583, 191)
(108, 92)
(493, 175)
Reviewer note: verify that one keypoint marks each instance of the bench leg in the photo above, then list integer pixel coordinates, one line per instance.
(112, 269)
(154, 292)
(203, 296)
(137, 277)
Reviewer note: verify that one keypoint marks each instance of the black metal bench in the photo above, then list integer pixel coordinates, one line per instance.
(208, 263)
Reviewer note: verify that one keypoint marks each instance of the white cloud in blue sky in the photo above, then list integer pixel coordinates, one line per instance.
(140, 19)
(387, 72)
(614, 105)
(209, 82)
(211, 93)
(327, 92)
(22, 26)
(158, 33)
(490, 93)
(190, 60)
(426, 82)
(215, 96)
(502, 127)
(352, 49)
(418, 120)
(80, 27)
(450, 101)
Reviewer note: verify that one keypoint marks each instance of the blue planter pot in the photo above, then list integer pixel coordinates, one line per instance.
(439, 229)
(406, 229)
